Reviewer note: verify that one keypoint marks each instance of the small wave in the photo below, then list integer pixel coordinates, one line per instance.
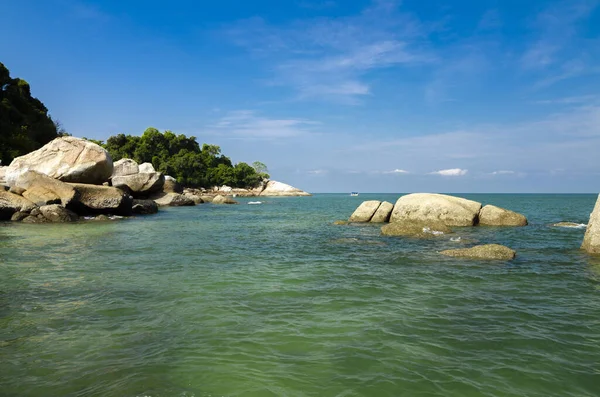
(571, 225)
(455, 239)
(434, 232)
(255, 202)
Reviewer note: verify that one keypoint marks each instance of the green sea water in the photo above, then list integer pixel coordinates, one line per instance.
(274, 300)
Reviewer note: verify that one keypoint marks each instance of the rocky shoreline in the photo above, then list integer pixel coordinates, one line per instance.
(429, 215)
(71, 178)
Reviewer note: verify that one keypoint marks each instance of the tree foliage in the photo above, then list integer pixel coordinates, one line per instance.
(183, 158)
(24, 121)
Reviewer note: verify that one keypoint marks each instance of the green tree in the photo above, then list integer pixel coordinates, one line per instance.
(24, 121)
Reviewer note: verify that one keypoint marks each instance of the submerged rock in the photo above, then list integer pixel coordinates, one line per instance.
(68, 159)
(365, 211)
(591, 240)
(487, 251)
(428, 207)
(490, 215)
(341, 222)
(415, 229)
(571, 225)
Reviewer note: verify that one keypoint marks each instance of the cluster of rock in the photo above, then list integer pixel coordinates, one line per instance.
(71, 177)
(428, 215)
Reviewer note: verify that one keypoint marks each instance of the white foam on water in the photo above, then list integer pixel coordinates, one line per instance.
(455, 239)
(255, 202)
(434, 232)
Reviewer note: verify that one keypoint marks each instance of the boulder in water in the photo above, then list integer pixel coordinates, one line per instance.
(97, 199)
(140, 184)
(42, 189)
(591, 239)
(218, 199)
(144, 207)
(571, 225)
(490, 215)
(274, 188)
(383, 213)
(68, 159)
(172, 200)
(487, 251)
(57, 213)
(365, 211)
(427, 207)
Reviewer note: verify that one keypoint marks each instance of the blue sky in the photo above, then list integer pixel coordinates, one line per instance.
(334, 96)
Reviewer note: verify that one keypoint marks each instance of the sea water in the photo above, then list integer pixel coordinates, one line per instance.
(275, 300)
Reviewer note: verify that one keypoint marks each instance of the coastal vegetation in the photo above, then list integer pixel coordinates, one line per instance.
(24, 120)
(184, 159)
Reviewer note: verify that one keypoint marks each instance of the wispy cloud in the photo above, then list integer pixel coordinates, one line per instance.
(330, 58)
(397, 171)
(318, 172)
(451, 172)
(502, 172)
(247, 124)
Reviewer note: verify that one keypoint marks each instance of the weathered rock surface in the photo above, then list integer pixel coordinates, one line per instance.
(146, 167)
(144, 207)
(591, 239)
(3, 174)
(68, 159)
(383, 213)
(39, 195)
(16, 190)
(196, 199)
(218, 199)
(488, 251)
(207, 199)
(97, 199)
(57, 213)
(41, 187)
(424, 207)
(11, 203)
(490, 215)
(171, 185)
(125, 167)
(172, 200)
(274, 188)
(19, 216)
(365, 211)
(140, 184)
(415, 229)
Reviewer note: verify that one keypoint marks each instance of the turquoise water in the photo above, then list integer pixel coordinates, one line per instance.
(274, 300)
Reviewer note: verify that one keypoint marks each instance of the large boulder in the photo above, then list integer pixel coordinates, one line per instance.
(3, 175)
(68, 159)
(218, 199)
(171, 185)
(274, 188)
(95, 199)
(488, 251)
(365, 211)
(144, 207)
(427, 207)
(490, 215)
(41, 189)
(57, 213)
(415, 229)
(146, 167)
(383, 213)
(140, 184)
(172, 200)
(11, 203)
(125, 167)
(591, 239)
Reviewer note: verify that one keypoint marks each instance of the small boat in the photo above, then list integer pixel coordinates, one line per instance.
(354, 194)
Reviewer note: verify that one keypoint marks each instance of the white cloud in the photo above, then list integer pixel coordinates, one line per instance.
(317, 172)
(329, 58)
(451, 172)
(396, 171)
(247, 124)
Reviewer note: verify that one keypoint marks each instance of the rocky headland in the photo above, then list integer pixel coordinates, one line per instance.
(69, 178)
